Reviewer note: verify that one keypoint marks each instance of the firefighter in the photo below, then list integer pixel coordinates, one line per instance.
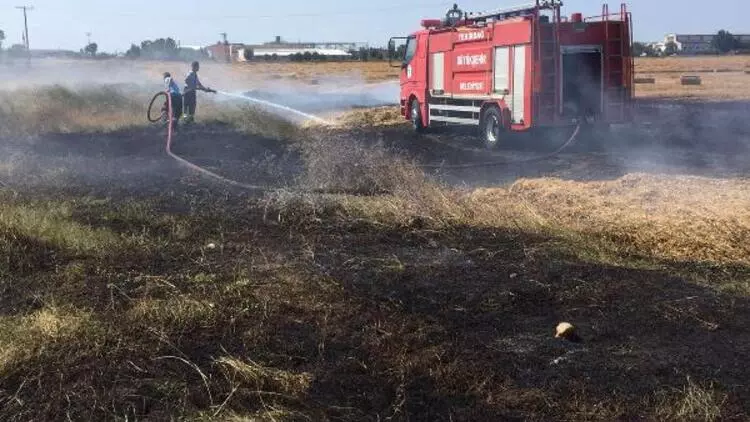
(192, 86)
(173, 90)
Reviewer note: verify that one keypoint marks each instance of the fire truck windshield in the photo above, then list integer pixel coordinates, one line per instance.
(411, 49)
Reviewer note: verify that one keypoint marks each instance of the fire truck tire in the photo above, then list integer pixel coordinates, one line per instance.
(491, 127)
(415, 116)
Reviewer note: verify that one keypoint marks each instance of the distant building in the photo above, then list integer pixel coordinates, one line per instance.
(191, 47)
(325, 45)
(656, 46)
(40, 53)
(262, 52)
(694, 43)
(282, 49)
(228, 52)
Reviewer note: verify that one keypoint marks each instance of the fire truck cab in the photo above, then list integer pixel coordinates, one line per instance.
(519, 68)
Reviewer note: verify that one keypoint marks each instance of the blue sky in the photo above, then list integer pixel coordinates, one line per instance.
(116, 24)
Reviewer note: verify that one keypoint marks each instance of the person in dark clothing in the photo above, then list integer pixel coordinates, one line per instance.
(192, 86)
(173, 90)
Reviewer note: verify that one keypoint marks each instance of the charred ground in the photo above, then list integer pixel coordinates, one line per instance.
(134, 289)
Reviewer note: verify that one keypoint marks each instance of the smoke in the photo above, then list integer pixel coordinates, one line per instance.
(667, 136)
(125, 156)
(328, 96)
(330, 93)
(699, 138)
(73, 73)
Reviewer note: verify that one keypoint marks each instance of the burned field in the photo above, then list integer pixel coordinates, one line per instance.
(360, 286)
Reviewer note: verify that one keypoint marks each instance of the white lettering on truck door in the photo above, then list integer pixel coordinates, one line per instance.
(471, 36)
(472, 60)
(471, 86)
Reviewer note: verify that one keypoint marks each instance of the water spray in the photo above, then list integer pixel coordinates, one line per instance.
(277, 106)
(363, 87)
(223, 179)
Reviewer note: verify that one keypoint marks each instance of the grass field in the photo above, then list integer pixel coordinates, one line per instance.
(361, 287)
(723, 77)
(730, 82)
(692, 64)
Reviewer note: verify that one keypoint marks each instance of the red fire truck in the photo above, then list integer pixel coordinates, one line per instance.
(519, 68)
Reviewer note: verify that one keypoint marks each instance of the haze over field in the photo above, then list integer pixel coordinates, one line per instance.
(299, 253)
(55, 24)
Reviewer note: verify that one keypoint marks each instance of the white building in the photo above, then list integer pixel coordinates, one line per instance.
(287, 52)
(693, 43)
(282, 49)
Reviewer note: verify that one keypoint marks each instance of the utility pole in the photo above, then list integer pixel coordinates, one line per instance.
(227, 48)
(26, 22)
(26, 30)
(88, 38)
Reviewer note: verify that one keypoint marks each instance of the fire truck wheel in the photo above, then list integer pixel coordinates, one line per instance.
(416, 116)
(491, 127)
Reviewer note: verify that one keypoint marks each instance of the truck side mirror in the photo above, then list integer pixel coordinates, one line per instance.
(393, 51)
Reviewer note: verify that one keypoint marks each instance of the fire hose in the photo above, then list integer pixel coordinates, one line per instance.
(195, 167)
(246, 186)
(500, 163)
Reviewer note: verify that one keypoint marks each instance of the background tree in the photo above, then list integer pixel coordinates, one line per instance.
(133, 52)
(377, 53)
(165, 49)
(248, 53)
(17, 50)
(363, 55)
(2, 38)
(91, 49)
(190, 54)
(400, 52)
(724, 42)
(641, 49)
(160, 49)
